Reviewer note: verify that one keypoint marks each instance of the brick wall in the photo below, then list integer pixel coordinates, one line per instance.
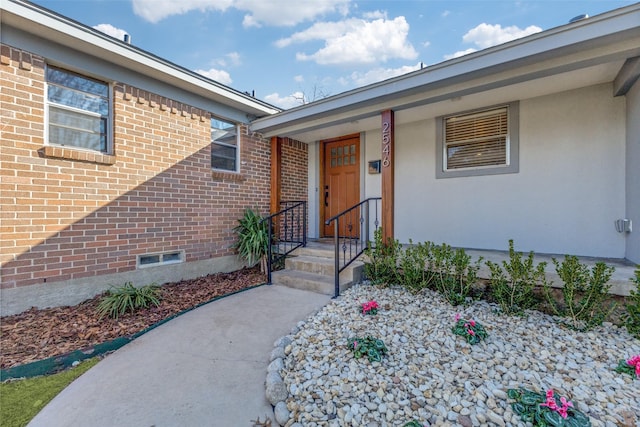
(68, 214)
(294, 179)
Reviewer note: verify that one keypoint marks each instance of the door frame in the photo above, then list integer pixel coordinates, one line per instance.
(322, 163)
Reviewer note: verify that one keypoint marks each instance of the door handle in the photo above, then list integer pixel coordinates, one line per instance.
(326, 196)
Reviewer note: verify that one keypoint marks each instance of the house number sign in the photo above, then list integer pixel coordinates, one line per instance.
(386, 144)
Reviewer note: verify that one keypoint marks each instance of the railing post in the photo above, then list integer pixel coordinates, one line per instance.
(269, 250)
(304, 225)
(336, 238)
(366, 221)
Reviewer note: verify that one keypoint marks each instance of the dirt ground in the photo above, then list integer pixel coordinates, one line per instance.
(38, 334)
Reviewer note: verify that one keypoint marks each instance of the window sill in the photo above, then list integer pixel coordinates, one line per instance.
(78, 155)
(227, 176)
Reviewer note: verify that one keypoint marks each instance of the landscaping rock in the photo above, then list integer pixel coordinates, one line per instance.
(281, 413)
(433, 376)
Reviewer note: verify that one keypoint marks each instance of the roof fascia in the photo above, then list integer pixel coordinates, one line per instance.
(96, 43)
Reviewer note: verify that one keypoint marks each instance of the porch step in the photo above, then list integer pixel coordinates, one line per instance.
(312, 268)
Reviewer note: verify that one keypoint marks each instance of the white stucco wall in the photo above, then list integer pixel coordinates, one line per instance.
(633, 171)
(565, 198)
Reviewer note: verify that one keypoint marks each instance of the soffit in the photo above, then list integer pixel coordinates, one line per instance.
(448, 102)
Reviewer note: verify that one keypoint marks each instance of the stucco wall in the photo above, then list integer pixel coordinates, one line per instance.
(633, 171)
(565, 198)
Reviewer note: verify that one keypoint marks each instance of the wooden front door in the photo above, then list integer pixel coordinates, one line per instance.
(341, 181)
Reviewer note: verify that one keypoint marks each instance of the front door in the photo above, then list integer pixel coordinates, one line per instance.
(341, 182)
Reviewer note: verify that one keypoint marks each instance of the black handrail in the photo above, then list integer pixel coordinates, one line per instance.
(287, 231)
(357, 238)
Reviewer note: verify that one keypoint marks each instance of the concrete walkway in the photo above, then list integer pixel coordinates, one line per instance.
(204, 368)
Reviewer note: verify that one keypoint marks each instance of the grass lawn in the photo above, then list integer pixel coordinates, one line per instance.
(21, 400)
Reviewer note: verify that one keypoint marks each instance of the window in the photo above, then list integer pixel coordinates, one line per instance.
(77, 111)
(224, 145)
(481, 142)
(160, 259)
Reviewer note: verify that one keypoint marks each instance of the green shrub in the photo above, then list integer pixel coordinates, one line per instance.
(118, 301)
(632, 316)
(414, 266)
(453, 273)
(382, 264)
(253, 238)
(513, 287)
(584, 293)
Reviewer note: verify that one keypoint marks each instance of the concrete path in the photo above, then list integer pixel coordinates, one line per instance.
(204, 368)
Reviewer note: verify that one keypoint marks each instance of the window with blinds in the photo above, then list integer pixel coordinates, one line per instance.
(477, 140)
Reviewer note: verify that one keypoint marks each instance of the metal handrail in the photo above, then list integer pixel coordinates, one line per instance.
(287, 231)
(354, 240)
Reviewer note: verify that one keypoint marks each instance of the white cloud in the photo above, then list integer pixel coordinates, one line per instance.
(378, 75)
(460, 53)
(220, 76)
(259, 12)
(356, 41)
(285, 102)
(230, 59)
(486, 35)
(426, 44)
(376, 14)
(298, 78)
(445, 13)
(110, 30)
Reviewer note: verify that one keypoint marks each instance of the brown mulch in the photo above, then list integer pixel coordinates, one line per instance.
(38, 334)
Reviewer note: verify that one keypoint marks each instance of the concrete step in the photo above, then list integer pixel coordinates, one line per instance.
(324, 266)
(308, 281)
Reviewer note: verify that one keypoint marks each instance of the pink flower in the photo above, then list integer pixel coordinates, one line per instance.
(565, 402)
(472, 322)
(355, 345)
(457, 317)
(635, 362)
(470, 332)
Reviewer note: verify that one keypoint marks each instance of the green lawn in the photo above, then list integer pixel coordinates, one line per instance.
(21, 400)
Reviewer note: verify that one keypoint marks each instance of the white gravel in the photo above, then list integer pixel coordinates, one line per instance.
(435, 377)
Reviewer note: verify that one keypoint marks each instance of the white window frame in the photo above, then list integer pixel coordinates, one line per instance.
(512, 147)
(236, 147)
(109, 117)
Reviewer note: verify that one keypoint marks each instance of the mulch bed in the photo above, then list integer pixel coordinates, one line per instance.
(38, 334)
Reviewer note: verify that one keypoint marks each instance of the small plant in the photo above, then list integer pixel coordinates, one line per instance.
(413, 423)
(370, 307)
(470, 330)
(414, 266)
(632, 317)
(382, 265)
(548, 409)
(454, 274)
(584, 293)
(253, 238)
(371, 347)
(118, 301)
(631, 366)
(513, 287)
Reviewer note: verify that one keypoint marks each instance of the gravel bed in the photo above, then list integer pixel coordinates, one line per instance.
(435, 377)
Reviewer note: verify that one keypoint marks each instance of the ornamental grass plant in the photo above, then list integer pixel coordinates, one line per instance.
(128, 298)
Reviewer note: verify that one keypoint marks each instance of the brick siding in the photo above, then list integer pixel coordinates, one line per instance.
(69, 214)
(294, 179)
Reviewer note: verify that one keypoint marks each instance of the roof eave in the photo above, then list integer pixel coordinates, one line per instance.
(555, 42)
(55, 27)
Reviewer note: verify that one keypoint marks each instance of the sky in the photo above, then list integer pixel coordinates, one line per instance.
(289, 52)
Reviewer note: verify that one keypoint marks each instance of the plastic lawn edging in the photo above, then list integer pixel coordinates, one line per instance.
(57, 363)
